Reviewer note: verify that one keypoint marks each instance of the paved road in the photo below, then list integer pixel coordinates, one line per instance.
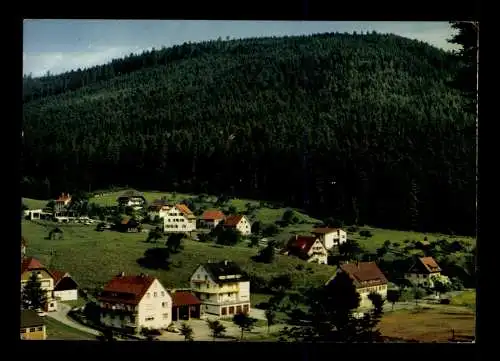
(61, 315)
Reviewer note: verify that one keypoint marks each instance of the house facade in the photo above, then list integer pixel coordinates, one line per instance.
(211, 218)
(330, 237)
(239, 223)
(32, 326)
(179, 219)
(30, 266)
(135, 302)
(307, 248)
(185, 305)
(367, 278)
(61, 205)
(65, 288)
(222, 288)
(132, 198)
(424, 271)
(158, 208)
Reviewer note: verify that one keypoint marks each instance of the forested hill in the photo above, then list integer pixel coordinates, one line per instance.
(363, 128)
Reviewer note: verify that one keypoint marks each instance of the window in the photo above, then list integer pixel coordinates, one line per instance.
(162, 293)
(149, 318)
(32, 329)
(51, 305)
(228, 295)
(155, 294)
(23, 330)
(206, 277)
(149, 295)
(165, 316)
(164, 304)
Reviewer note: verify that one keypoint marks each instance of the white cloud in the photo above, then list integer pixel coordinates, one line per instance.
(58, 62)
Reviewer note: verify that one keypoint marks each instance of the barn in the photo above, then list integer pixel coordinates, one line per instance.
(65, 287)
(185, 305)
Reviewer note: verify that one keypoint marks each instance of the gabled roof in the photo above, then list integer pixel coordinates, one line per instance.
(426, 264)
(30, 318)
(184, 298)
(232, 221)
(212, 215)
(220, 271)
(131, 194)
(324, 230)
(184, 210)
(157, 204)
(301, 243)
(30, 263)
(57, 275)
(126, 289)
(66, 283)
(364, 274)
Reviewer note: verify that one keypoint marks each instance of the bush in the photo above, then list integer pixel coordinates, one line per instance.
(352, 229)
(365, 233)
(299, 267)
(445, 301)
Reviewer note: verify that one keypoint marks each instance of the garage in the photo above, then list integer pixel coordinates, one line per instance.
(185, 306)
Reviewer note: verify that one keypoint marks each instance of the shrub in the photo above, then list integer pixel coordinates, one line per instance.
(352, 229)
(444, 301)
(365, 233)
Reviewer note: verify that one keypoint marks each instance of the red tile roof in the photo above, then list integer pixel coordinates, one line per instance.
(126, 289)
(429, 264)
(324, 230)
(212, 215)
(301, 244)
(232, 221)
(184, 210)
(57, 275)
(64, 197)
(364, 274)
(30, 263)
(184, 298)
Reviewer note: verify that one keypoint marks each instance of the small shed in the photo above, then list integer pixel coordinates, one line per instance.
(185, 305)
(129, 225)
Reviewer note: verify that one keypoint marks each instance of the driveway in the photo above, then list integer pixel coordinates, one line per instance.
(61, 315)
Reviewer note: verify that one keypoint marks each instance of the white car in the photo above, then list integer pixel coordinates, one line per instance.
(41, 313)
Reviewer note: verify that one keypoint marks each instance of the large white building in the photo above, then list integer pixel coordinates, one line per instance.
(179, 219)
(330, 237)
(135, 302)
(222, 288)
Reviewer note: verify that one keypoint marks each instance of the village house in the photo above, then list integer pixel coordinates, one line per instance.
(61, 205)
(158, 208)
(32, 326)
(129, 224)
(367, 278)
(239, 223)
(135, 302)
(132, 198)
(65, 287)
(31, 266)
(424, 271)
(211, 218)
(222, 288)
(179, 219)
(185, 305)
(307, 248)
(31, 214)
(330, 237)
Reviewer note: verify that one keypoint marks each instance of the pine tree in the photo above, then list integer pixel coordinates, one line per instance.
(32, 295)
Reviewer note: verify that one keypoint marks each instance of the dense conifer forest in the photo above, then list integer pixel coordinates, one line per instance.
(363, 128)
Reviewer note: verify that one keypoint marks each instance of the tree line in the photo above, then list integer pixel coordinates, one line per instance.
(365, 128)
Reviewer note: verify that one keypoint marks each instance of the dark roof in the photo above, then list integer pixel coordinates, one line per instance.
(301, 244)
(30, 318)
(220, 270)
(426, 264)
(65, 284)
(126, 289)
(158, 203)
(364, 274)
(232, 221)
(57, 275)
(184, 298)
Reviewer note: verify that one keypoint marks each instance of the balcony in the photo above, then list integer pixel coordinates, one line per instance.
(202, 287)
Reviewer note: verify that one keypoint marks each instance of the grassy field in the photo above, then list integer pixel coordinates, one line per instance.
(34, 203)
(427, 325)
(59, 331)
(92, 257)
(465, 299)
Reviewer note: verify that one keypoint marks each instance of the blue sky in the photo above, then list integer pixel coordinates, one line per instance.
(62, 45)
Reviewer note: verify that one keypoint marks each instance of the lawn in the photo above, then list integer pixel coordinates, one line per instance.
(34, 203)
(381, 235)
(466, 299)
(109, 199)
(59, 331)
(428, 325)
(92, 257)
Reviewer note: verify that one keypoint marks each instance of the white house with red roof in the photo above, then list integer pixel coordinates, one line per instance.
(179, 219)
(307, 248)
(367, 278)
(330, 237)
(135, 302)
(211, 218)
(30, 266)
(65, 287)
(424, 271)
(239, 223)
